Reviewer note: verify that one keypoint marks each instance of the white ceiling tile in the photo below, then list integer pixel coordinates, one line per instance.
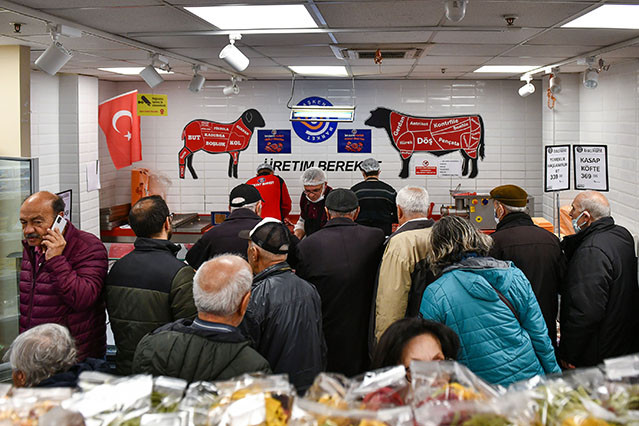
(541, 50)
(383, 37)
(584, 37)
(467, 49)
(382, 13)
(179, 41)
(452, 60)
(489, 37)
(259, 40)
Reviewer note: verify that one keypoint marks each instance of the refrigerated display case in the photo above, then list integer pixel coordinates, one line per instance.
(18, 179)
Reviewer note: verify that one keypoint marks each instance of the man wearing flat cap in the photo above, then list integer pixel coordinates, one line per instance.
(376, 198)
(341, 260)
(276, 199)
(245, 205)
(532, 249)
(284, 315)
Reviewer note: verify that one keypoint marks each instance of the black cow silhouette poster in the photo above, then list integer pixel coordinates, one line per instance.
(434, 135)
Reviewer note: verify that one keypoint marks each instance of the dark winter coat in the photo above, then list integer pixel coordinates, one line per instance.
(599, 296)
(341, 260)
(223, 238)
(376, 204)
(181, 350)
(67, 290)
(69, 378)
(284, 320)
(146, 289)
(538, 254)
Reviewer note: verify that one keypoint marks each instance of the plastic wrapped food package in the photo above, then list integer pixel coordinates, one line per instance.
(252, 400)
(374, 398)
(440, 381)
(27, 405)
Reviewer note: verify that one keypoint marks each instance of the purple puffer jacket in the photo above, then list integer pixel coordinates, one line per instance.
(67, 290)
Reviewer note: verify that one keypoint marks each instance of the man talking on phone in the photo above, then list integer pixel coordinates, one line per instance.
(62, 275)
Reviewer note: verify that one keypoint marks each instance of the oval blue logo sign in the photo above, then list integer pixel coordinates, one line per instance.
(314, 131)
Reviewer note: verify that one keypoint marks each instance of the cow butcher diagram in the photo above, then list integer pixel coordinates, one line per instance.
(437, 136)
(216, 138)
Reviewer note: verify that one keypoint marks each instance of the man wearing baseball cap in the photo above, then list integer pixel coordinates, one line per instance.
(284, 315)
(245, 205)
(376, 198)
(276, 199)
(532, 249)
(341, 261)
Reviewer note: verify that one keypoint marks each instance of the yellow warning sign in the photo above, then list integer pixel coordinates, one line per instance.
(149, 104)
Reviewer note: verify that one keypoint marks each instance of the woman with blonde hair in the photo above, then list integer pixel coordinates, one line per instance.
(489, 303)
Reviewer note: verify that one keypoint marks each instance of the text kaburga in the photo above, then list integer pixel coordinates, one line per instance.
(326, 165)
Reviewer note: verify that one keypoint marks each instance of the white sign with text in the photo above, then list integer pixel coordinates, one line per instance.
(591, 167)
(557, 173)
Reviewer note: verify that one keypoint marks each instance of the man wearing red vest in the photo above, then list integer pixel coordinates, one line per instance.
(272, 188)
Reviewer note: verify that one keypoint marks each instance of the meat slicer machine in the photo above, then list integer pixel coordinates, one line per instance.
(476, 207)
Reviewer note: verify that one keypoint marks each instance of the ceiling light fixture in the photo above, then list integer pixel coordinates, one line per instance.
(506, 69)
(198, 80)
(150, 75)
(232, 55)
(256, 17)
(591, 78)
(591, 75)
(528, 88)
(233, 88)
(455, 9)
(56, 56)
(621, 16)
(320, 71)
(554, 83)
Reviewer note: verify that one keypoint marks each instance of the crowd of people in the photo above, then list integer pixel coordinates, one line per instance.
(338, 291)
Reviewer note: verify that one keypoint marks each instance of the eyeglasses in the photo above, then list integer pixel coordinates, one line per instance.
(315, 191)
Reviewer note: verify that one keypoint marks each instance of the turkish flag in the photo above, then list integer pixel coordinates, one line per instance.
(118, 118)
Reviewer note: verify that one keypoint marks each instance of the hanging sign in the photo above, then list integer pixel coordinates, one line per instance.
(591, 167)
(156, 105)
(274, 141)
(354, 141)
(314, 131)
(557, 168)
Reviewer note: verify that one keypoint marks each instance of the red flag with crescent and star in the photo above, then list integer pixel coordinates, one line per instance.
(118, 119)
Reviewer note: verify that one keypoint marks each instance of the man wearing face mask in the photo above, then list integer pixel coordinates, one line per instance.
(245, 204)
(312, 212)
(62, 276)
(148, 287)
(532, 249)
(599, 296)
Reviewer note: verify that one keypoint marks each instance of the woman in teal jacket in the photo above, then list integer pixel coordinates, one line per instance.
(489, 303)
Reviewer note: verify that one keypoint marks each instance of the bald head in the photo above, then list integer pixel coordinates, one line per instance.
(220, 284)
(593, 202)
(37, 214)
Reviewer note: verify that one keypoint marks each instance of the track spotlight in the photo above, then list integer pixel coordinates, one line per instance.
(528, 88)
(455, 9)
(150, 75)
(555, 82)
(55, 57)
(197, 82)
(591, 78)
(232, 55)
(231, 89)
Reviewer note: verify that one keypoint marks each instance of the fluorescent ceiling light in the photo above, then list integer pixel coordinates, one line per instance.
(131, 70)
(323, 113)
(253, 17)
(332, 71)
(622, 16)
(506, 69)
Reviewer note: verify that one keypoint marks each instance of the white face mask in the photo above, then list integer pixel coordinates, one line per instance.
(575, 225)
(321, 197)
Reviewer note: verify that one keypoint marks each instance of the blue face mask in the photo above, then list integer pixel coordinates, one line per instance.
(575, 226)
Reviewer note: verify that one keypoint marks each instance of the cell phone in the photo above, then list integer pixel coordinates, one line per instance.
(59, 223)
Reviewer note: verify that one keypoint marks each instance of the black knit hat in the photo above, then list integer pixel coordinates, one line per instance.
(270, 234)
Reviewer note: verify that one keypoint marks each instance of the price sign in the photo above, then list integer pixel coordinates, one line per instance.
(591, 167)
(557, 177)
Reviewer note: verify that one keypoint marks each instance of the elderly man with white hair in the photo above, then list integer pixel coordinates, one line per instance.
(599, 297)
(209, 347)
(312, 212)
(45, 356)
(404, 272)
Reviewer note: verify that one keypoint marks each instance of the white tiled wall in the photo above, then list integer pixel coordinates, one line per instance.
(513, 136)
(45, 129)
(606, 115)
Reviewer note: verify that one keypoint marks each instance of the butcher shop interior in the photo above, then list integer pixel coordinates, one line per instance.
(119, 114)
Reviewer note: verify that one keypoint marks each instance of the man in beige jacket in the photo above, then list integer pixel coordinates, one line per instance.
(404, 272)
